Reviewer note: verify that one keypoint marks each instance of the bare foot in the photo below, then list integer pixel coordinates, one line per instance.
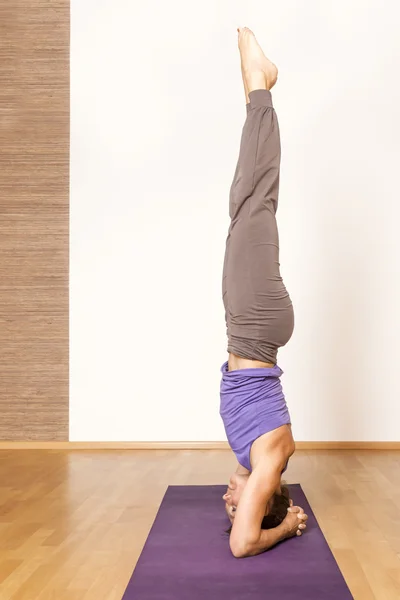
(258, 71)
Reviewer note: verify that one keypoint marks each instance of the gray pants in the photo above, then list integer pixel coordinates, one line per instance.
(258, 310)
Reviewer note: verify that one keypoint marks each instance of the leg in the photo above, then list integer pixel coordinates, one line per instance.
(258, 309)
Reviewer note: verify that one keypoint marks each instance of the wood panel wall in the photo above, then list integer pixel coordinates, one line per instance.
(34, 219)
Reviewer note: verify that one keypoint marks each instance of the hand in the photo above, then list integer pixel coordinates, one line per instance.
(295, 521)
(230, 509)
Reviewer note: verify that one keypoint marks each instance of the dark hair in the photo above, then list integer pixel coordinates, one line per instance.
(278, 512)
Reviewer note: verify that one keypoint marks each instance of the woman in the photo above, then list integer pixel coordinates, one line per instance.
(259, 319)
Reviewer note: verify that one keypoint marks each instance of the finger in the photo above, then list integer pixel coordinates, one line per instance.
(298, 533)
(302, 516)
(291, 502)
(302, 526)
(294, 509)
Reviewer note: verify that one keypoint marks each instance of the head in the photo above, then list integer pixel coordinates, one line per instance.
(275, 510)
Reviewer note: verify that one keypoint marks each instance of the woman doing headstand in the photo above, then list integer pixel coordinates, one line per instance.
(259, 320)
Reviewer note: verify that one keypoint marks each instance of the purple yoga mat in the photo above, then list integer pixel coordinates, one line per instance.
(187, 556)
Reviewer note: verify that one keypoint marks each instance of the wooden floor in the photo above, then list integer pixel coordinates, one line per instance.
(72, 524)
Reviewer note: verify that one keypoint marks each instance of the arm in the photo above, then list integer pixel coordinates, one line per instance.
(293, 524)
(242, 470)
(267, 539)
(247, 538)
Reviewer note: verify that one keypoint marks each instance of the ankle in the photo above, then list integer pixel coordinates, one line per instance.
(256, 80)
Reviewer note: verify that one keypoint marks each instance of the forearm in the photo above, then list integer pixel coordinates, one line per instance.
(268, 538)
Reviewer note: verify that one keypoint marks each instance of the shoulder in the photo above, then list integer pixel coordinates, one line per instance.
(272, 450)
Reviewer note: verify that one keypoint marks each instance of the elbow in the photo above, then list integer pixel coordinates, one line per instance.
(240, 549)
(239, 552)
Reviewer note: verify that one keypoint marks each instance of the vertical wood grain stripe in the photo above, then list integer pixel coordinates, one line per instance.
(34, 219)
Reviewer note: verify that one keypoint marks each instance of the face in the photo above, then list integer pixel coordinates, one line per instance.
(236, 485)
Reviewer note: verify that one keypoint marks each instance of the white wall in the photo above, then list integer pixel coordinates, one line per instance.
(157, 109)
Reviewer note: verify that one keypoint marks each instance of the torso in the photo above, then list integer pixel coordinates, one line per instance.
(236, 362)
(278, 440)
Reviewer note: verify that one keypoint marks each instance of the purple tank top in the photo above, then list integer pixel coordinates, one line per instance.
(252, 403)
